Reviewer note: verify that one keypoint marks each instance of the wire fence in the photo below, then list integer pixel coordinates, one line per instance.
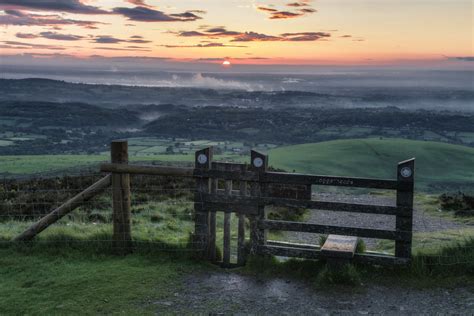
(163, 216)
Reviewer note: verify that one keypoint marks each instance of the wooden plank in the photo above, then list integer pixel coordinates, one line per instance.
(121, 201)
(404, 222)
(228, 174)
(64, 209)
(339, 246)
(148, 170)
(328, 229)
(227, 222)
(203, 160)
(258, 235)
(372, 258)
(212, 253)
(227, 239)
(241, 251)
(242, 208)
(319, 205)
(296, 178)
(292, 245)
(289, 252)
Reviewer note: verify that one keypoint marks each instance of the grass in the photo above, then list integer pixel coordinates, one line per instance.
(35, 164)
(42, 281)
(430, 203)
(439, 166)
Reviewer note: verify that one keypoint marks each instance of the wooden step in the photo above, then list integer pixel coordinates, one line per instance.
(338, 246)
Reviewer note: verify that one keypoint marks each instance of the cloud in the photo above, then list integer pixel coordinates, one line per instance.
(61, 37)
(144, 14)
(71, 6)
(221, 32)
(307, 10)
(284, 15)
(108, 39)
(463, 58)
(20, 18)
(305, 36)
(297, 4)
(254, 37)
(31, 45)
(207, 45)
(302, 9)
(140, 3)
(128, 48)
(267, 9)
(26, 35)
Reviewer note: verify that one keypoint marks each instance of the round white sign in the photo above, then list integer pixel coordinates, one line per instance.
(406, 172)
(258, 162)
(202, 159)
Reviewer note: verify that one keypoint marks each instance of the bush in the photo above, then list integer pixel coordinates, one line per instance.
(462, 204)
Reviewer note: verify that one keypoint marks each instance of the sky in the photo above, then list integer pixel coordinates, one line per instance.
(242, 32)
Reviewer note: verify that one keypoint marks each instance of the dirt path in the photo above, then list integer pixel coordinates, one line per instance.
(225, 292)
(422, 222)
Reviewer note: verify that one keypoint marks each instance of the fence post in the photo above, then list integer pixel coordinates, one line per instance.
(404, 221)
(122, 237)
(258, 163)
(203, 161)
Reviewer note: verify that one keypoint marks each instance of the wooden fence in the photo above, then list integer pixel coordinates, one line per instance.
(246, 189)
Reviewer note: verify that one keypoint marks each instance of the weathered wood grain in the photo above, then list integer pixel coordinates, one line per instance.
(227, 222)
(329, 229)
(404, 222)
(201, 214)
(338, 246)
(121, 201)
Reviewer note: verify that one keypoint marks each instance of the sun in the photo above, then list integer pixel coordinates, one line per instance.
(226, 63)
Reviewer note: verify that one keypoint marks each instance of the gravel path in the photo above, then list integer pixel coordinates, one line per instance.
(422, 222)
(226, 292)
(222, 292)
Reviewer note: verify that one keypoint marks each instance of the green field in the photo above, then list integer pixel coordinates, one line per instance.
(439, 166)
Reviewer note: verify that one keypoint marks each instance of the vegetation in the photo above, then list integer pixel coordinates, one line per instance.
(44, 280)
(460, 203)
(439, 167)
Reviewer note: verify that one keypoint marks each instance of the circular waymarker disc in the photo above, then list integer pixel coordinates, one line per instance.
(258, 162)
(406, 172)
(202, 159)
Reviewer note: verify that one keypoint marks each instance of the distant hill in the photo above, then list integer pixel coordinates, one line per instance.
(37, 89)
(439, 166)
(49, 114)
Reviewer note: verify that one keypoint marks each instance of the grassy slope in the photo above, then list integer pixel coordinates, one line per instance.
(437, 163)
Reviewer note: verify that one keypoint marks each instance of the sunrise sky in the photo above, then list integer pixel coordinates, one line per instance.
(337, 32)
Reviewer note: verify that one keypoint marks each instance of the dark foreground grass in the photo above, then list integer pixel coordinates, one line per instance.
(44, 279)
(63, 275)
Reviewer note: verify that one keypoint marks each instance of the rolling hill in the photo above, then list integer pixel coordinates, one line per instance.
(439, 166)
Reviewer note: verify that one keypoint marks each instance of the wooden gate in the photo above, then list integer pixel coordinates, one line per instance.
(249, 188)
